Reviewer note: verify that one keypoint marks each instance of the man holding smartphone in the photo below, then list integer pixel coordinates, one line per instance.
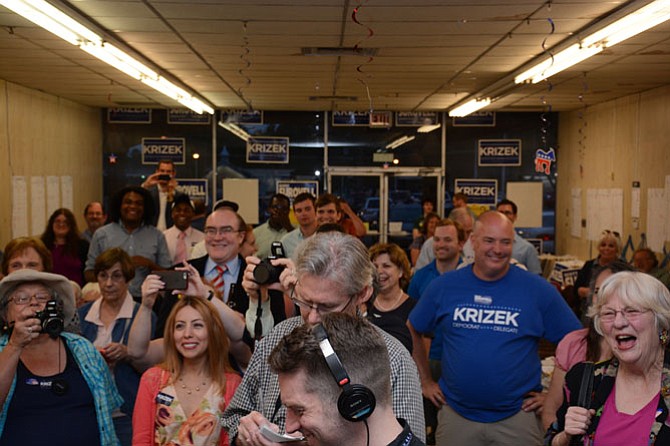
(162, 187)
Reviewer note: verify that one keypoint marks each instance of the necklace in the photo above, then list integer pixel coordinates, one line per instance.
(189, 390)
(392, 305)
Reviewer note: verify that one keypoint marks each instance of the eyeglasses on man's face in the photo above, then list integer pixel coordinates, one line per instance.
(321, 309)
(211, 231)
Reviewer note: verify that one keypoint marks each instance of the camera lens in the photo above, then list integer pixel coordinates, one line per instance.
(263, 273)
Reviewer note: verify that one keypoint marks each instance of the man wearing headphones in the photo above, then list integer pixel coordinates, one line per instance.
(332, 273)
(334, 379)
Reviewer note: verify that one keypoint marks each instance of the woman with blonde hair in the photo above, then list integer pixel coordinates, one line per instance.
(180, 401)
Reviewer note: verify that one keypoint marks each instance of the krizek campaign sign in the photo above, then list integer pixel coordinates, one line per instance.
(294, 188)
(476, 119)
(477, 191)
(351, 118)
(157, 149)
(184, 116)
(499, 152)
(195, 188)
(415, 119)
(247, 117)
(267, 149)
(127, 115)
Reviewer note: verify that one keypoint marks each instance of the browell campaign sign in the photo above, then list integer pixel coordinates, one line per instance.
(156, 149)
(499, 152)
(195, 188)
(267, 149)
(478, 191)
(294, 188)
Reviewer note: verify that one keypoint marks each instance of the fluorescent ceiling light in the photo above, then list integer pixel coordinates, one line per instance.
(469, 107)
(428, 128)
(626, 27)
(57, 22)
(400, 141)
(235, 130)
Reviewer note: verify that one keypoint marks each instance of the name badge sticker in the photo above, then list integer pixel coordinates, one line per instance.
(164, 399)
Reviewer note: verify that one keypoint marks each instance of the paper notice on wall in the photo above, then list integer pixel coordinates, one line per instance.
(19, 207)
(37, 206)
(66, 198)
(53, 194)
(576, 212)
(656, 216)
(604, 209)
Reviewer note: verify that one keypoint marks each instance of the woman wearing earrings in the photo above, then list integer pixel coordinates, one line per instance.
(180, 401)
(631, 392)
(391, 307)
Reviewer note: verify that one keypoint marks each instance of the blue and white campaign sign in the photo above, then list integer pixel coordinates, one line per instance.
(351, 118)
(195, 188)
(186, 116)
(476, 119)
(415, 119)
(248, 117)
(294, 188)
(157, 149)
(127, 115)
(499, 152)
(477, 191)
(267, 149)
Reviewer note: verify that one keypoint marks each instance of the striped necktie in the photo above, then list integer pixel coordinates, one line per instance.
(218, 281)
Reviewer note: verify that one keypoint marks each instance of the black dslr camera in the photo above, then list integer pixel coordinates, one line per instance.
(265, 272)
(51, 319)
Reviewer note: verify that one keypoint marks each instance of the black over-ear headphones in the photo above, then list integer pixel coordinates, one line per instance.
(356, 402)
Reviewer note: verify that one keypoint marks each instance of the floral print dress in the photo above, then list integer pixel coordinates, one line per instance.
(159, 418)
(174, 428)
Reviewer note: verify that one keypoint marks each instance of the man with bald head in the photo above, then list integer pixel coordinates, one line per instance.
(490, 318)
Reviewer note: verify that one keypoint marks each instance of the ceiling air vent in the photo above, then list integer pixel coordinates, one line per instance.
(336, 51)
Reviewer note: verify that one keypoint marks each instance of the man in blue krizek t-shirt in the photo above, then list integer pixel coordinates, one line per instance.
(490, 316)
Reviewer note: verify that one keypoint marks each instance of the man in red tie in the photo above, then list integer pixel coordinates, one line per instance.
(181, 237)
(224, 268)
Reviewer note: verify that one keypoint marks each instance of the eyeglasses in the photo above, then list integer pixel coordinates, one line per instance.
(319, 308)
(24, 299)
(614, 233)
(224, 230)
(629, 313)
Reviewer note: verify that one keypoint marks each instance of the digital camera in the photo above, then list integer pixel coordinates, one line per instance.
(51, 319)
(265, 272)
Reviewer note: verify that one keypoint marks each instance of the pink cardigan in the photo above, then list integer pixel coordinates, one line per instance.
(144, 415)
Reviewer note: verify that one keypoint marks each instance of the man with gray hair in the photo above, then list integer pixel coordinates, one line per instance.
(334, 379)
(332, 273)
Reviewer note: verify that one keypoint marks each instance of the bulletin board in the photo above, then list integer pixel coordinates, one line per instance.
(528, 198)
(243, 191)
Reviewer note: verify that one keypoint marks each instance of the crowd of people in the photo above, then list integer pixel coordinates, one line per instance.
(234, 335)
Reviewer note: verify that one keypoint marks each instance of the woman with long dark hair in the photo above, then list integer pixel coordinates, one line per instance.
(68, 249)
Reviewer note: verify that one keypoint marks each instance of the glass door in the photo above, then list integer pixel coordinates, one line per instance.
(387, 200)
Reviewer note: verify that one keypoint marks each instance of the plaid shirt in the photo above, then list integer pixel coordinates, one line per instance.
(96, 374)
(259, 390)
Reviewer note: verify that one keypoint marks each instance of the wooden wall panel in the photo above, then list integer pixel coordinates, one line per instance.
(610, 145)
(46, 135)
